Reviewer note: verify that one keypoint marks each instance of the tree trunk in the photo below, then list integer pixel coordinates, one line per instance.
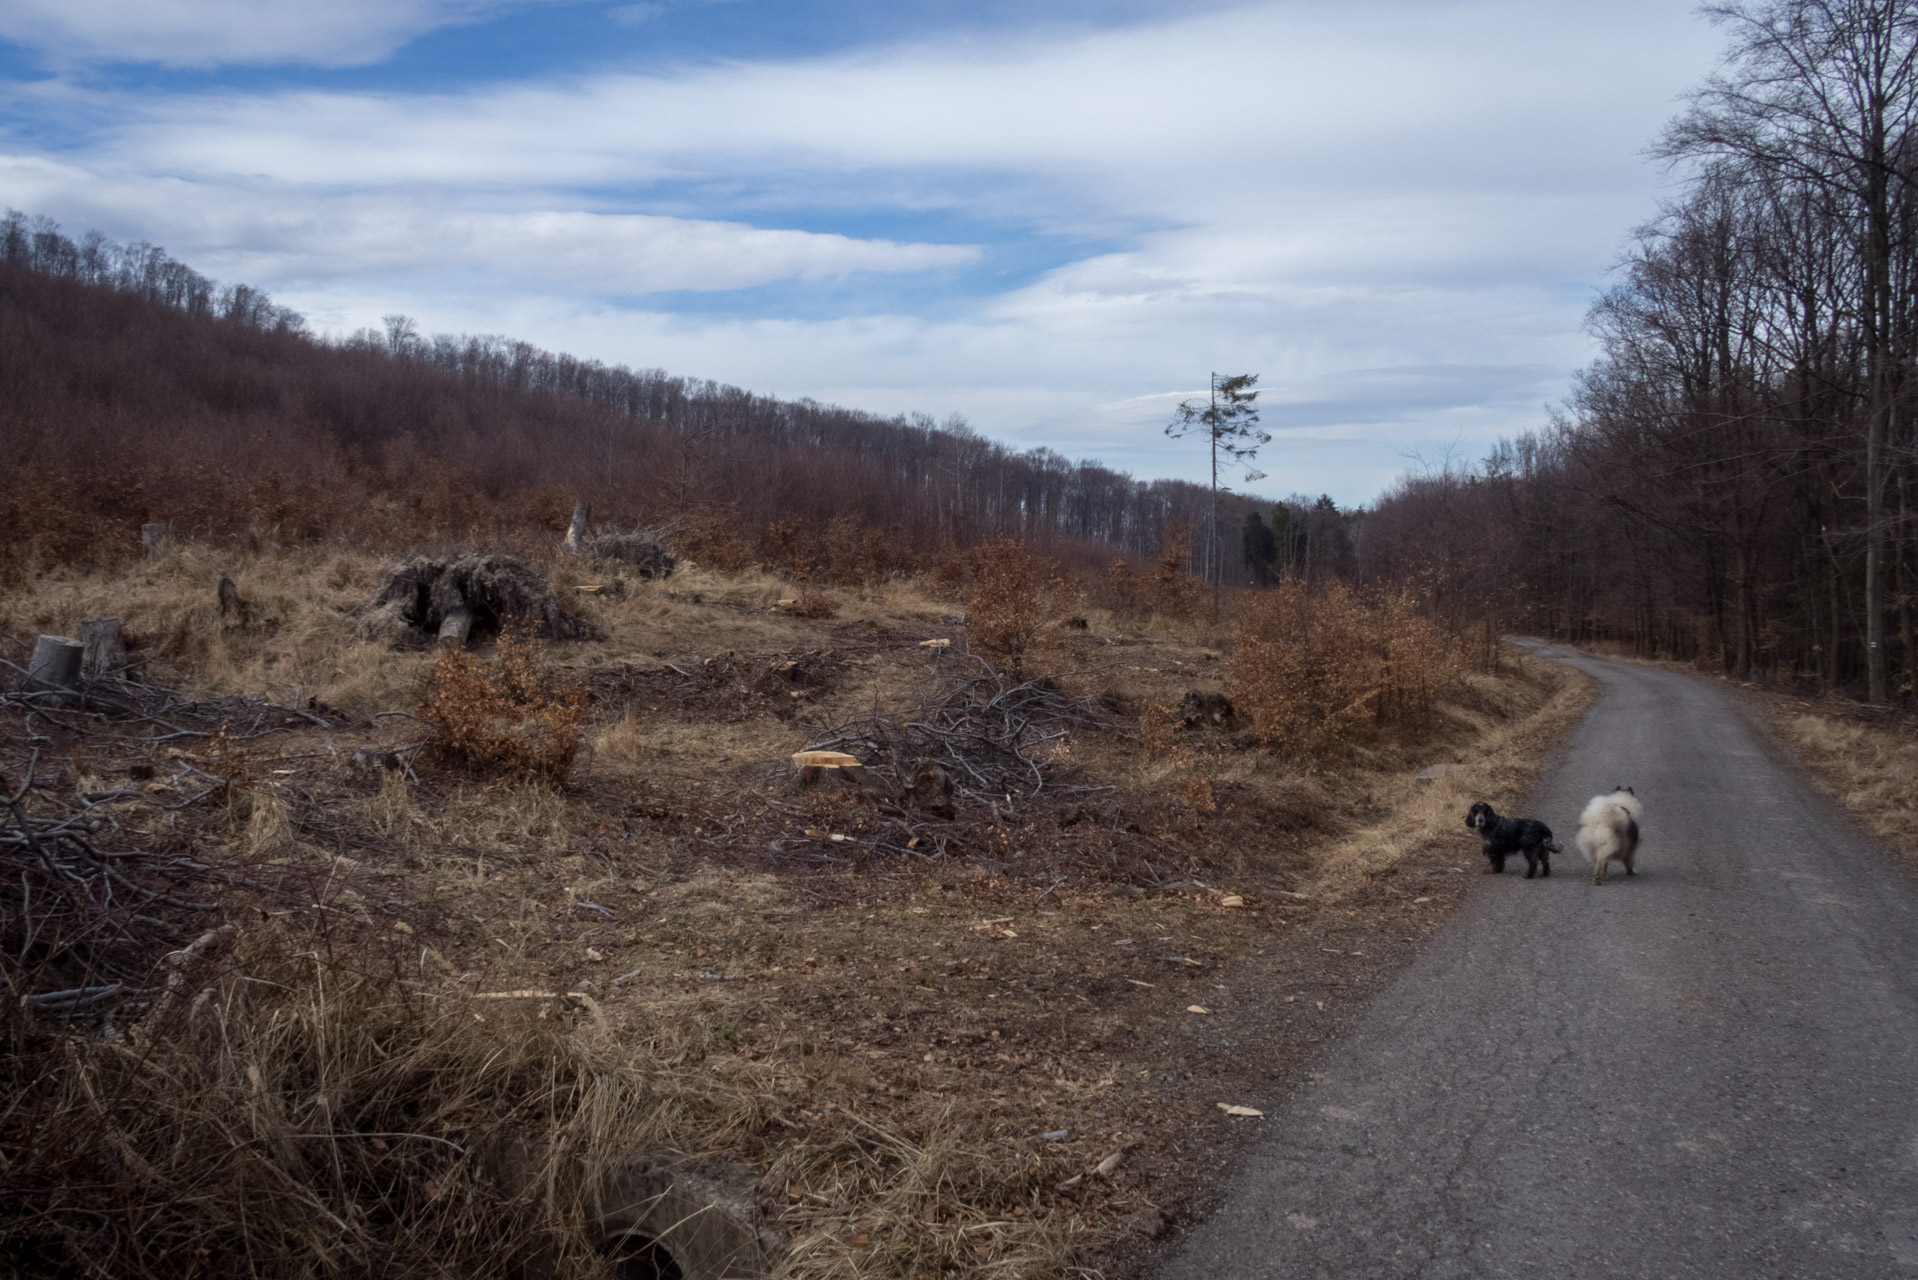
(576, 531)
(55, 663)
(105, 648)
(455, 628)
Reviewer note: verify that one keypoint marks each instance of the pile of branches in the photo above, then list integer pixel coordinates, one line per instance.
(643, 549)
(167, 714)
(987, 729)
(81, 934)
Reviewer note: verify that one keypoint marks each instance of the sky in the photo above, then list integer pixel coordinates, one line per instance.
(1054, 218)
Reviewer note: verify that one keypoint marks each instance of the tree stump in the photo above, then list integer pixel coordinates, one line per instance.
(155, 538)
(230, 602)
(815, 767)
(55, 663)
(105, 647)
(455, 628)
(577, 529)
(932, 790)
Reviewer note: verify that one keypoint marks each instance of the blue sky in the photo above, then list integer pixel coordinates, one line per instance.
(1053, 218)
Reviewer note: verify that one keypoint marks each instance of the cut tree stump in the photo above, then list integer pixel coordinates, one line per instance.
(105, 648)
(814, 767)
(155, 538)
(55, 663)
(229, 594)
(455, 629)
(577, 529)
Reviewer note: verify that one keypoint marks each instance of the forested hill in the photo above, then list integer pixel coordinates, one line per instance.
(132, 388)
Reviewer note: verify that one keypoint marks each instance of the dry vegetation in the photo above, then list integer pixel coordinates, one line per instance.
(937, 1040)
(1865, 757)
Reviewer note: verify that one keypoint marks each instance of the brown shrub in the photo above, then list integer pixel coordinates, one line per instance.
(1012, 598)
(1311, 666)
(515, 719)
(814, 603)
(1174, 593)
(715, 538)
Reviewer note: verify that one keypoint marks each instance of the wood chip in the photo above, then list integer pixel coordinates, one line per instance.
(1241, 1111)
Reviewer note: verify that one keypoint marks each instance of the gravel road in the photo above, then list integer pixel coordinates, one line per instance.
(1709, 1069)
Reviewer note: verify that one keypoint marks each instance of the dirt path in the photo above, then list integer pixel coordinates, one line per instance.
(1710, 1069)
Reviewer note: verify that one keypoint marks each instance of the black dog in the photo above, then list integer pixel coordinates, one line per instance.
(1506, 836)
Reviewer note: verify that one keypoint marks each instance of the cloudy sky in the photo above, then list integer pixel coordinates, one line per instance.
(1053, 217)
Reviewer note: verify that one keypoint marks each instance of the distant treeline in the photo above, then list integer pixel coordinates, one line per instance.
(133, 388)
(1734, 480)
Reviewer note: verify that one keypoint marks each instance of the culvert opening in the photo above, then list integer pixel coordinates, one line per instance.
(639, 1257)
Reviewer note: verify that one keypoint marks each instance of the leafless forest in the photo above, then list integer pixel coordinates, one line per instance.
(1732, 481)
(135, 389)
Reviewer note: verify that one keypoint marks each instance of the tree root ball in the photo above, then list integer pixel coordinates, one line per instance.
(421, 592)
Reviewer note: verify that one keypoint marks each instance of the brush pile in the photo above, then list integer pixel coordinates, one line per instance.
(643, 549)
(422, 591)
(168, 715)
(993, 734)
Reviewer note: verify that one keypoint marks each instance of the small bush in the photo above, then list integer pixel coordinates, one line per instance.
(1312, 666)
(514, 719)
(1174, 593)
(814, 603)
(1012, 596)
(714, 538)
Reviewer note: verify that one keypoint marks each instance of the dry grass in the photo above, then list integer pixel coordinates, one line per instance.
(1504, 759)
(1869, 768)
(878, 1039)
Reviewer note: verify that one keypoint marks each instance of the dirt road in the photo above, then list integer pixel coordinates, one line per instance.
(1710, 1069)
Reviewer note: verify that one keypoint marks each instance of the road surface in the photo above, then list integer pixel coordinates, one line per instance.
(1710, 1069)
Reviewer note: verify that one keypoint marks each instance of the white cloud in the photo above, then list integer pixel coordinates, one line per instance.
(203, 33)
(1390, 211)
(279, 236)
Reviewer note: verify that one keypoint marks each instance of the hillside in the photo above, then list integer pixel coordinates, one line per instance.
(136, 390)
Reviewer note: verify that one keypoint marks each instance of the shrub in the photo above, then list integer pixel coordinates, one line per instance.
(1175, 593)
(1012, 590)
(515, 719)
(1311, 666)
(714, 538)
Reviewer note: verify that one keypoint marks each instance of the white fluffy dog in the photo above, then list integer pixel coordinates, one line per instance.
(1608, 831)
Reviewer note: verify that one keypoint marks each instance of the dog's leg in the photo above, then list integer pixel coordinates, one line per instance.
(1598, 870)
(1531, 863)
(1545, 863)
(1498, 864)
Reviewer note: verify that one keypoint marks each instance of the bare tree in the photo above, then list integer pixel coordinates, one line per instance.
(1826, 92)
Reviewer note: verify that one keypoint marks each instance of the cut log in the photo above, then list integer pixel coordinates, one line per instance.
(455, 628)
(155, 538)
(55, 663)
(105, 647)
(577, 530)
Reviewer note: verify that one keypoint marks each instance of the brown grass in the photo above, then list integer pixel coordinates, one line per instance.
(879, 1039)
(1869, 768)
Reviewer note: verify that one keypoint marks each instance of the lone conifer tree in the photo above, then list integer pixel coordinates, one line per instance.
(1230, 422)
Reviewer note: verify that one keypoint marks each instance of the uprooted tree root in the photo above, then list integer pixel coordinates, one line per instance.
(420, 592)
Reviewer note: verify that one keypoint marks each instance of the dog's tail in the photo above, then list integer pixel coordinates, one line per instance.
(1553, 846)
